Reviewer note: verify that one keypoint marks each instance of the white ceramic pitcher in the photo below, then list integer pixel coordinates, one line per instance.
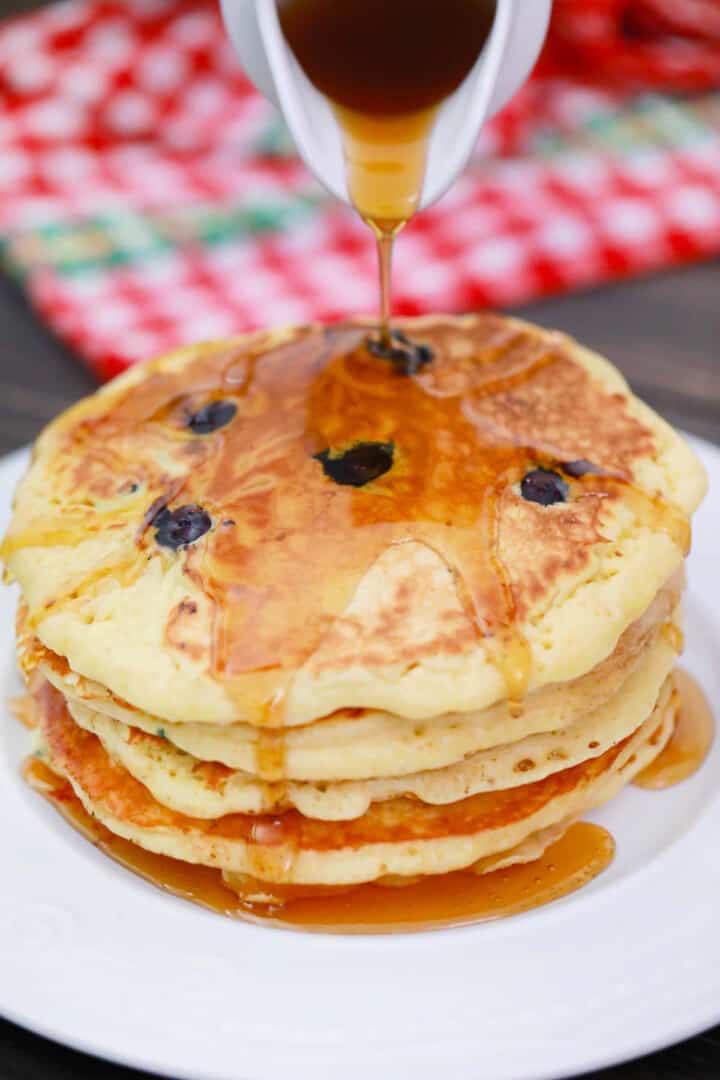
(503, 65)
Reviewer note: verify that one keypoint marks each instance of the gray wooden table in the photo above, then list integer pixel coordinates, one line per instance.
(664, 332)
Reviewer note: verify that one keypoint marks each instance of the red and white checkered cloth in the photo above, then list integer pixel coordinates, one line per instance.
(148, 195)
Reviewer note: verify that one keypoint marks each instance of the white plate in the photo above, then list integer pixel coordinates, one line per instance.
(94, 957)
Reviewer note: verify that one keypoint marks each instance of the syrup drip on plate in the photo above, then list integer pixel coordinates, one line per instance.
(690, 741)
(274, 842)
(455, 899)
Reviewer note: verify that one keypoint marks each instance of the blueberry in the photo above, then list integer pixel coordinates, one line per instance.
(178, 528)
(211, 417)
(544, 486)
(359, 465)
(579, 468)
(406, 356)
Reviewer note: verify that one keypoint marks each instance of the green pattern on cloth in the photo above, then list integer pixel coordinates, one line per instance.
(108, 241)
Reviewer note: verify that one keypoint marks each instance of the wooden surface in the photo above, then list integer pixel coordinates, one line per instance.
(663, 333)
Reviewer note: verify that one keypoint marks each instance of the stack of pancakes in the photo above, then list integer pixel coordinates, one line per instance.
(316, 610)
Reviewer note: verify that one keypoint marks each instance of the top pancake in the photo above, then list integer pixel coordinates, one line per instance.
(434, 587)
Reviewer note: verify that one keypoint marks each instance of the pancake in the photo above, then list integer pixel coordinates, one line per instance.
(254, 891)
(359, 745)
(207, 789)
(221, 573)
(314, 610)
(400, 836)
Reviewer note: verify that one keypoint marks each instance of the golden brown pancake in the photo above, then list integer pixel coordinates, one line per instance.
(360, 744)
(398, 836)
(232, 569)
(315, 611)
(208, 789)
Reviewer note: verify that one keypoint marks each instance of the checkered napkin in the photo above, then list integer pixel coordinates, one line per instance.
(149, 197)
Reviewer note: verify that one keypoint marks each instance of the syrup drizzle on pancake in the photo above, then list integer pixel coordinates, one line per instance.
(674, 636)
(690, 741)
(80, 755)
(456, 899)
(452, 899)
(289, 545)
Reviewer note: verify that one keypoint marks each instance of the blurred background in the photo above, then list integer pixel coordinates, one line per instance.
(149, 197)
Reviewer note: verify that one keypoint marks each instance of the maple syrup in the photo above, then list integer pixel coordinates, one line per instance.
(385, 68)
(674, 636)
(446, 900)
(274, 842)
(690, 741)
(277, 839)
(366, 56)
(270, 755)
(274, 578)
